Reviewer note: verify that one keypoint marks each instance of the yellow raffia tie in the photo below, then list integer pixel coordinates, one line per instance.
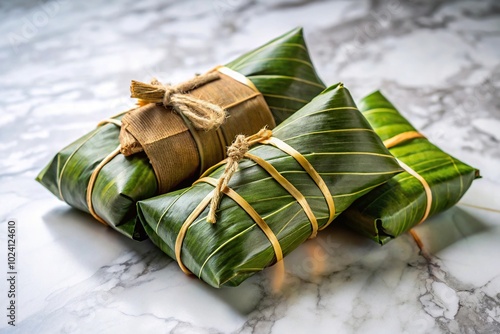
(236, 76)
(290, 188)
(243, 204)
(304, 163)
(402, 137)
(95, 172)
(202, 114)
(427, 188)
(309, 170)
(238, 151)
(93, 178)
(235, 153)
(399, 139)
(103, 122)
(242, 144)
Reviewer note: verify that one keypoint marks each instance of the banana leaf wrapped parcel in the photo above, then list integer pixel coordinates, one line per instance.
(179, 131)
(433, 181)
(292, 183)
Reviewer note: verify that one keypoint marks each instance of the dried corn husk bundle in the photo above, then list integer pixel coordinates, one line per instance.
(433, 181)
(292, 184)
(106, 171)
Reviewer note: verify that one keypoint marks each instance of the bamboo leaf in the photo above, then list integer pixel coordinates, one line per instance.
(281, 70)
(336, 140)
(400, 204)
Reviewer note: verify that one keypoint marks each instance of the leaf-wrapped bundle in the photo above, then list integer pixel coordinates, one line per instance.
(433, 181)
(281, 70)
(332, 136)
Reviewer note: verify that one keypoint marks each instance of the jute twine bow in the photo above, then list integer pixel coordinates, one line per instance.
(235, 153)
(202, 114)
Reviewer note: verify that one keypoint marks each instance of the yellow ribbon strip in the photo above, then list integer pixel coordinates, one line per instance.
(242, 203)
(310, 170)
(235, 153)
(93, 178)
(95, 172)
(236, 76)
(182, 232)
(398, 139)
(417, 239)
(401, 138)
(288, 187)
(427, 188)
(249, 209)
(116, 122)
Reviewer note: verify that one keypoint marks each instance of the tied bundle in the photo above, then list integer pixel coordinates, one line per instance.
(179, 131)
(202, 114)
(433, 181)
(197, 129)
(276, 189)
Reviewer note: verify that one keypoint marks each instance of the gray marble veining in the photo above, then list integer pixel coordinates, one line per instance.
(64, 66)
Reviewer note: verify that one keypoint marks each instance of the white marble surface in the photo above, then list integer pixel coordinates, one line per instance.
(65, 67)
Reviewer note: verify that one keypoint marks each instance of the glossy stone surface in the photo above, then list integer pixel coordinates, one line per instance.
(64, 66)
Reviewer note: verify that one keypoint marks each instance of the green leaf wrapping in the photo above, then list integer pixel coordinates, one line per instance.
(400, 204)
(338, 142)
(281, 70)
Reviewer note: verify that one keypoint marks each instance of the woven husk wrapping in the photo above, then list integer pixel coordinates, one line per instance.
(281, 70)
(400, 204)
(334, 138)
(164, 134)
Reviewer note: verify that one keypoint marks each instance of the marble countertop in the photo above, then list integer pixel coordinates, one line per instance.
(65, 65)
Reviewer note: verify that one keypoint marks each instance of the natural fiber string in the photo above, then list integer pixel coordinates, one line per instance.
(275, 174)
(154, 93)
(399, 139)
(427, 189)
(402, 137)
(420, 244)
(116, 122)
(93, 178)
(171, 96)
(243, 204)
(309, 170)
(235, 153)
(236, 76)
(146, 130)
(394, 141)
(417, 239)
(95, 172)
(246, 206)
(202, 114)
(103, 122)
(182, 232)
(255, 216)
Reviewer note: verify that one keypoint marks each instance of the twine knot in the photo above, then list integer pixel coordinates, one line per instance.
(237, 150)
(202, 114)
(235, 153)
(169, 91)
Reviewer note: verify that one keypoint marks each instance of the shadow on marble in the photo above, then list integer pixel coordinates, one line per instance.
(337, 260)
(76, 231)
(334, 256)
(450, 227)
